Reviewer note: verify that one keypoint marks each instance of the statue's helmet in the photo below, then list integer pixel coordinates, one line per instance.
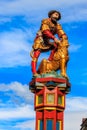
(53, 11)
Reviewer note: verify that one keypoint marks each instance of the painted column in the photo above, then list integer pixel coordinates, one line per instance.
(49, 102)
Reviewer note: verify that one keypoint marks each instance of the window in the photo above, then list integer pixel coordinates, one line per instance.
(40, 99)
(50, 98)
(61, 100)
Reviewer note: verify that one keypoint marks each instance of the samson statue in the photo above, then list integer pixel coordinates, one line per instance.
(52, 37)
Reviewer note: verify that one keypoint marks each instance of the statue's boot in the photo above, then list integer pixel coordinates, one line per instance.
(34, 62)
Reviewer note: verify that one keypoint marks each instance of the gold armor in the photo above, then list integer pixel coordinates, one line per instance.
(42, 42)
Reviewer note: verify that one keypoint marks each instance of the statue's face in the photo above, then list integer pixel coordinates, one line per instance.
(55, 17)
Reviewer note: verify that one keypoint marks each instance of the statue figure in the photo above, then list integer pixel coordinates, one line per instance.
(46, 40)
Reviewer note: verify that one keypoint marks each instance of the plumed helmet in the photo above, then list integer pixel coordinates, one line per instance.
(53, 11)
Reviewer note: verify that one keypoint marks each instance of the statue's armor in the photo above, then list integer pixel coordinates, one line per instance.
(42, 41)
(53, 28)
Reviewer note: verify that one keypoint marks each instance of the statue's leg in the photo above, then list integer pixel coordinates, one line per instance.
(62, 66)
(52, 52)
(34, 61)
(65, 71)
(43, 66)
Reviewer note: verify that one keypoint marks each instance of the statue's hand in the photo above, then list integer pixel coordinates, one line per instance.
(56, 40)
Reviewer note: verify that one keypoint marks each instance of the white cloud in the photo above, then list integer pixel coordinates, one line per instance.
(30, 8)
(76, 104)
(27, 125)
(74, 48)
(15, 48)
(5, 19)
(9, 110)
(22, 91)
(77, 14)
(17, 113)
(18, 91)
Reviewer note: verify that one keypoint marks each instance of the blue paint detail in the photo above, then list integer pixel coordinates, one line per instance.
(57, 125)
(51, 83)
(41, 124)
(49, 125)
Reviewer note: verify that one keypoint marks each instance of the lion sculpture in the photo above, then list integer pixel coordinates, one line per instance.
(59, 61)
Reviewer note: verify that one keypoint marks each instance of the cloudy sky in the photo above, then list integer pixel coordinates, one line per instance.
(19, 22)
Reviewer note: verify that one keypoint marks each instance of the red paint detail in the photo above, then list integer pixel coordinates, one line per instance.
(45, 115)
(36, 53)
(46, 91)
(33, 64)
(48, 34)
(58, 80)
(52, 53)
(44, 80)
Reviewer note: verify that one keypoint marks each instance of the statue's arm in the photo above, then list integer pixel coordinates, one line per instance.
(61, 34)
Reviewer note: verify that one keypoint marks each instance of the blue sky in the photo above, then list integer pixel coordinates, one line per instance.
(19, 22)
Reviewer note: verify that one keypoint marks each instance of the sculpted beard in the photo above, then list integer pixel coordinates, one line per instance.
(54, 20)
